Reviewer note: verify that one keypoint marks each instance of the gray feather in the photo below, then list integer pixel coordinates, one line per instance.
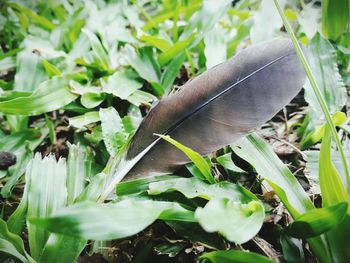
(219, 106)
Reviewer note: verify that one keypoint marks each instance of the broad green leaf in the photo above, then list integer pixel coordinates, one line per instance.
(144, 63)
(140, 97)
(317, 134)
(107, 221)
(226, 161)
(99, 53)
(332, 188)
(82, 120)
(317, 221)
(8, 248)
(335, 18)
(238, 222)
(121, 84)
(258, 153)
(333, 191)
(237, 256)
(50, 69)
(78, 170)
(50, 95)
(139, 185)
(12, 244)
(193, 187)
(158, 42)
(114, 135)
(30, 71)
(241, 215)
(195, 157)
(91, 99)
(323, 62)
(47, 192)
(56, 244)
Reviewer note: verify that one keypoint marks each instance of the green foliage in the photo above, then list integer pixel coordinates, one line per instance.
(234, 256)
(76, 79)
(317, 221)
(335, 18)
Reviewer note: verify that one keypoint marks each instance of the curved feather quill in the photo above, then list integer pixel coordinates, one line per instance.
(217, 107)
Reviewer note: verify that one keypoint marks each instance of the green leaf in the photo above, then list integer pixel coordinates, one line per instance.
(107, 221)
(144, 63)
(79, 164)
(51, 95)
(16, 142)
(195, 157)
(139, 185)
(47, 192)
(140, 97)
(312, 166)
(226, 161)
(114, 135)
(56, 244)
(121, 84)
(292, 249)
(158, 42)
(333, 191)
(257, 152)
(193, 187)
(85, 119)
(317, 134)
(170, 53)
(332, 188)
(241, 215)
(335, 18)
(323, 63)
(99, 54)
(33, 17)
(12, 244)
(30, 71)
(171, 71)
(236, 256)
(317, 221)
(50, 69)
(91, 99)
(238, 222)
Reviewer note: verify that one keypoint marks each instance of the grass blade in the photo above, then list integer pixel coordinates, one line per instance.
(316, 90)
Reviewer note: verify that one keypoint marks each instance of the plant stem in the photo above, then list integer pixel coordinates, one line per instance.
(317, 91)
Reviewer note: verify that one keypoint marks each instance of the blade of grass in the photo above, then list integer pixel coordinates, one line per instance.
(316, 90)
(195, 157)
